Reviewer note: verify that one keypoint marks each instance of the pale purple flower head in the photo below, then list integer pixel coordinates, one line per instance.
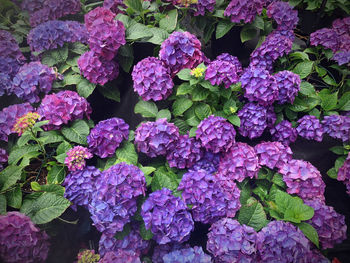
(186, 152)
(245, 10)
(232, 59)
(156, 138)
(9, 47)
(273, 154)
(5, 82)
(181, 50)
(210, 196)
(152, 80)
(80, 185)
(342, 26)
(222, 72)
(303, 179)
(310, 128)
(160, 250)
(121, 256)
(239, 163)
(63, 107)
(31, 80)
(282, 242)
(75, 159)
(209, 163)
(187, 255)
(284, 132)
(97, 69)
(167, 217)
(253, 120)
(216, 134)
(284, 15)
(3, 158)
(325, 37)
(203, 5)
(344, 173)
(21, 240)
(97, 17)
(113, 5)
(337, 126)
(330, 225)
(288, 84)
(342, 57)
(106, 136)
(231, 242)
(8, 117)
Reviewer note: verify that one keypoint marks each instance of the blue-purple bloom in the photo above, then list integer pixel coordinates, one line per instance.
(9, 47)
(97, 17)
(284, 15)
(284, 132)
(344, 173)
(222, 72)
(202, 5)
(310, 128)
(120, 256)
(245, 10)
(288, 84)
(232, 59)
(325, 37)
(3, 158)
(342, 57)
(209, 163)
(187, 255)
(337, 126)
(253, 120)
(113, 5)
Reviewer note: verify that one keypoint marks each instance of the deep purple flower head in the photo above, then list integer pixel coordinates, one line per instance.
(273, 154)
(8, 117)
(271, 117)
(75, 159)
(337, 126)
(114, 200)
(342, 26)
(288, 84)
(282, 242)
(202, 5)
(21, 240)
(315, 256)
(3, 158)
(97, 69)
(187, 255)
(53, 34)
(222, 72)
(167, 217)
(9, 66)
(156, 138)
(245, 10)
(231, 242)
(330, 225)
(284, 15)
(62, 107)
(232, 59)
(253, 120)
(209, 163)
(5, 82)
(186, 152)
(152, 80)
(9, 47)
(32, 5)
(121, 256)
(284, 132)
(325, 37)
(181, 50)
(303, 179)
(344, 173)
(310, 128)
(342, 57)
(216, 134)
(106, 136)
(80, 185)
(210, 196)
(113, 5)
(160, 250)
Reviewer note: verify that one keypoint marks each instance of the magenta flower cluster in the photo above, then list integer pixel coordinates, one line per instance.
(75, 159)
(284, 15)
(337, 126)
(253, 120)
(288, 84)
(114, 5)
(284, 132)
(120, 256)
(310, 128)
(204, 5)
(243, 10)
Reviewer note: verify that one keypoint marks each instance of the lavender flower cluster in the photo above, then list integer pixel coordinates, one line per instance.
(253, 120)
(187, 255)
(310, 128)
(284, 15)
(284, 132)
(3, 158)
(114, 5)
(245, 10)
(344, 173)
(337, 126)
(121, 256)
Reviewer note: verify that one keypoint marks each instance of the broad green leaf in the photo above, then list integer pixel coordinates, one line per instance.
(24, 139)
(72, 79)
(338, 150)
(246, 191)
(202, 111)
(328, 99)
(339, 162)
(122, 234)
(77, 132)
(184, 89)
(207, 85)
(111, 93)
(199, 94)
(192, 132)
(259, 22)
(164, 114)
(230, 107)
(127, 153)
(235, 120)
(303, 69)
(278, 180)
(180, 105)
(55, 57)
(306, 88)
(14, 197)
(159, 35)
(147, 170)
(137, 31)
(222, 28)
(169, 21)
(56, 174)
(184, 74)
(126, 57)
(182, 125)
(252, 214)
(191, 118)
(19, 152)
(48, 137)
(262, 189)
(344, 102)
(162, 178)
(86, 88)
(332, 173)
(63, 147)
(9, 176)
(135, 5)
(248, 32)
(299, 55)
(310, 232)
(78, 48)
(3, 204)
(147, 109)
(146, 234)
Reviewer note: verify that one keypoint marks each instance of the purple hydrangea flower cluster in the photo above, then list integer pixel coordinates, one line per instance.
(121, 256)
(342, 26)
(284, 132)
(31, 80)
(344, 173)
(216, 134)
(310, 128)
(342, 57)
(273, 154)
(156, 138)
(210, 196)
(303, 179)
(209, 163)
(330, 225)
(3, 158)
(337, 126)
(152, 80)
(284, 15)
(62, 107)
(222, 72)
(32, 5)
(232, 59)
(98, 16)
(181, 50)
(8, 117)
(187, 255)
(231, 242)
(53, 34)
(54, 9)
(75, 159)
(270, 116)
(186, 152)
(282, 242)
(245, 10)
(253, 120)
(80, 185)
(167, 217)
(21, 240)
(288, 84)
(160, 250)
(315, 256)
(9, 47)
(326, 37)
(203, 5)
(239, 163)
(106, 136)
(114, 201)
(114, 5)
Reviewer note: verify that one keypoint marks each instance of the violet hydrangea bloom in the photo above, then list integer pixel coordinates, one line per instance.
(167, 217)
(232, 59)
(284, 15)
(344, 173)
(181, 50)
(185, 153)
(245, 10)
(75, 159)
(330, 225)
(62, 107)
(303, 179)
(284, 132)
(342, 26)
(3, 158)
(209, 163)
(8, 117)
(160, 250)
(271, 116)
(21, 240)
(9, 47)
(273, 154)
(315, 256)
(253, 120)
(152, 80)
(222, 72)
(216, 134)
(187, 255)
(202, 5)
(282, 242)
(98, 16)
(113, 5)
(210, 196)
(156, 138)
(231, 242)
(325, 37)
(121, 256)
(106, 136)
(342, 57)
(310, 128)
(288, 84)
(32, 5)
(337, 126)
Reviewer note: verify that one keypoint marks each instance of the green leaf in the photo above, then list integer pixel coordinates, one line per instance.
(182, 125)
(78, 48)
(299, 55)
(222, 28)
(63, 147)
(328, 99)
(14, 198)
(339, 162)
(111, 93)
(184, 89)
(248, 32)
(127, 153)
(3, 204)
(180, 105)
(307, 89)
(252, 214)
(50, 137)
(85, 88)
(162, 178)
(147, 170)
(56, 56)
(344, 102)
(262, 189)
(235, 120)
(199, 94)
(126, 57)
(135, 5)
(72, 79)
(278, 180)
(137, 31)
(246, 191)
(56, 174)
(191, 118)
(77, 132)
(19, 152)
(230, 107)
(24, 139)
(192, 132)
(144, 233)
(259, 22)
(303, 69)
(9, 176)
(122, 234)
(184, 74)
(207, 85)
(164, 114)
(147, 109)
(202, 111)
(338, 150)
(159, 35)
(310, 232)
(169, 21)
(332, 173)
